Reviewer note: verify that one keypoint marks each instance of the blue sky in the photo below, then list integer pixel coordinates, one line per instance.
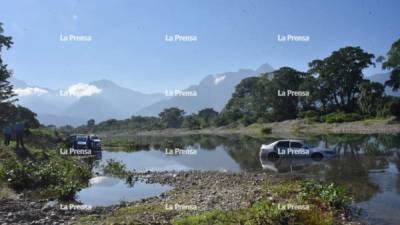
(128, 43)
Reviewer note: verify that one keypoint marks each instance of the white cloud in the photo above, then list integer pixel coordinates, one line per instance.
(219, 79)
(30, 91)
(82, 89)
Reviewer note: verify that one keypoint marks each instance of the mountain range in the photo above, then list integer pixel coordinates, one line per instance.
(104, 99)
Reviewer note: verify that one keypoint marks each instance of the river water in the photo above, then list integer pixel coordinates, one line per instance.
(367, 165)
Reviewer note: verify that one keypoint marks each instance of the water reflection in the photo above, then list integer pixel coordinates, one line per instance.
(292, 165)
(105, 191)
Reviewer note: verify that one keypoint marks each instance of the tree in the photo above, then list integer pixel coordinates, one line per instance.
(6, 92)
(393, 63)
(340, 75)
(243, 104)
(285, 80)
(191, 122)
(172, 117)
(22, 114)
(5, 87)
(207, 117)
(371, 97)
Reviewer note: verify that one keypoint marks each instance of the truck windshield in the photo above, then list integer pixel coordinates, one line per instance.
(81, 138)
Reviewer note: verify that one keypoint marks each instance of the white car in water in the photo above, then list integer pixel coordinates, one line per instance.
(294, 148)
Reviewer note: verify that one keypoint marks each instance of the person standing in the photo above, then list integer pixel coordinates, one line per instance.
(19, 133)
(7, 135)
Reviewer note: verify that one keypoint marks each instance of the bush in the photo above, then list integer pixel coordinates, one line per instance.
(56, 174)
(309, 114)
(340, 117)
(384, 112)
(266, 130)
(335, 196)
(260, 213)
(115, 168)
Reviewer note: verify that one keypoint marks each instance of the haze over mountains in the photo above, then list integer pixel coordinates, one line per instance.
(213, 91)
(103, 99)
(76, 106)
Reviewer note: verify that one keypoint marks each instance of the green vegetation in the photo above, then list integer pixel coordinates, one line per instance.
(172, 117)
(321, 202)
(115, 168)
(340, 117)
(126, 144)
(337, 91)
(393, 64)
(46, 171)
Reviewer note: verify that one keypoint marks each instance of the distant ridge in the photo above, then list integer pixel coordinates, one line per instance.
(213, 91)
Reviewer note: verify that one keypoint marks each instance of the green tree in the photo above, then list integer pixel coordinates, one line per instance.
(340, 75)
(284, 80)
(243, 104)
(207, 117)
(172, 117)
(393, 64)
(6, 92)
(191, 122)
(371, 97)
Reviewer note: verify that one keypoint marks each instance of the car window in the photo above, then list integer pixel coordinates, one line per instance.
(81, 138)
(283, 144)
(295, 144)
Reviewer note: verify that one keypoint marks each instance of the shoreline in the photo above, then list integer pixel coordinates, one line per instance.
(285, 128)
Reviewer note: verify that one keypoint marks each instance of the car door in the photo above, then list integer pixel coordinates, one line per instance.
(296, 145)
(282, 148)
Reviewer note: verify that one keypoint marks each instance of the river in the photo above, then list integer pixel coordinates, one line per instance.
(367, 165)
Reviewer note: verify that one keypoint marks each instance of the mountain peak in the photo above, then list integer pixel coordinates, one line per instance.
(103, 82)
(265, 68)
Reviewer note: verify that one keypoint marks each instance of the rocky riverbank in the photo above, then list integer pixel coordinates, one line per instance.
(195, 192)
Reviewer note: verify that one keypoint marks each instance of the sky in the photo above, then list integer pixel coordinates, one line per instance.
(128, 43)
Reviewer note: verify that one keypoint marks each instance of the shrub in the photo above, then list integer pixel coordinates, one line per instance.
(340, 117)
(115, 168)
(68, 190)
(335, 196)
(309, 114)
(266, 130)
(56, 174)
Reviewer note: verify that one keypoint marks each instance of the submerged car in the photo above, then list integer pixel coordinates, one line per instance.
(294, 148)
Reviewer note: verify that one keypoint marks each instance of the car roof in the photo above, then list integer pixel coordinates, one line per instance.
(291, 140)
